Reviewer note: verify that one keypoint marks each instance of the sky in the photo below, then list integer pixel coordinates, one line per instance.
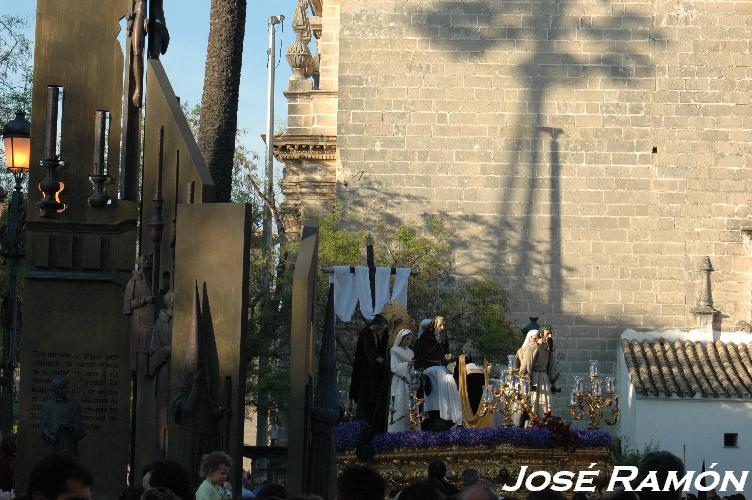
(188, 22)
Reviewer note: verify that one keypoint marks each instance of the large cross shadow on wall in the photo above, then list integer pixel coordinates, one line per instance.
(547, 41)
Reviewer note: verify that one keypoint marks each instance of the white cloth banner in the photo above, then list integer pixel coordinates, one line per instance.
(345, 298)
(363, 288)
(351, 289)
(399, 290)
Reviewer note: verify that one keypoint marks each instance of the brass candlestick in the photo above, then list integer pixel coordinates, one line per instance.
(513, 395)
(414, 414)
(593, 402)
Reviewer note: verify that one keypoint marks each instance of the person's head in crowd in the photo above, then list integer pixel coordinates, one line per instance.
(662, 462)
(173, 476)
(159, 494)
(479, 490)
(360, 482)
(215, 467)
(580, 495)
(547, 494)
(8, 445)
(132, 492)
(430, 489)
(146, 475)
(271, 491)
(469, 477)
(59, 477)
(691, 496)
(437, 470)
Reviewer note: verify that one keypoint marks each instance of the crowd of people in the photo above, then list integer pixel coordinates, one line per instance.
(62, 477)
(389, 363)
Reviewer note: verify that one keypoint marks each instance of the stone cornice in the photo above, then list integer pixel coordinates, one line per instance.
(305, 147)
(310, 93)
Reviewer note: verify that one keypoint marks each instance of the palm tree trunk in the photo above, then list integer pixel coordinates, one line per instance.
(219, 104)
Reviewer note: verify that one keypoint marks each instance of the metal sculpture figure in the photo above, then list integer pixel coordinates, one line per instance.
(62, 424)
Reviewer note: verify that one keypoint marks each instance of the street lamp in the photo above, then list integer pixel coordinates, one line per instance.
(17, 142)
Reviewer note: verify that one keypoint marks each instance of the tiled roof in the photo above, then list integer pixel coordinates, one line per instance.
(660, 367)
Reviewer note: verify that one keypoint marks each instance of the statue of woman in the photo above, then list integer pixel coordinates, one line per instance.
(401, 364)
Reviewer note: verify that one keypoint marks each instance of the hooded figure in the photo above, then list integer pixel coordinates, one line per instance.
(401, 364)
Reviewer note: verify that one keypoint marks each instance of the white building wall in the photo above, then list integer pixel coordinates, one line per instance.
(692, 429)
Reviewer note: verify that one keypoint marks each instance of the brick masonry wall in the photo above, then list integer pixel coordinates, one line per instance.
(531, 126)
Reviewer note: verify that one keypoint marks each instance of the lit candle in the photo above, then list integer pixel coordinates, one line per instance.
(526, 386)
(610, 385)
(510, 360)
(573, 398)
(616, 402)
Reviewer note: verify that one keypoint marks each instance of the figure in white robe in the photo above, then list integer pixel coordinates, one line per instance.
(444, 396)
(401, 363)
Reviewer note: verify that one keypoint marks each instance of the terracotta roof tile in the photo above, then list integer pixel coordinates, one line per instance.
(664, 368)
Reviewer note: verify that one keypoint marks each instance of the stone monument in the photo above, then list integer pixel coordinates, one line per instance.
(78, 256)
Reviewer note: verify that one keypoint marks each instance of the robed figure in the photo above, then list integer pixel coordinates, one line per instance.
(538, 362)
(369, 369)
(138, 304)
(160, 352)
(62, 423)
(401, 365)
(442, 398)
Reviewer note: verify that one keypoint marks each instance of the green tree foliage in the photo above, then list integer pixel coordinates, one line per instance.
(624, 454)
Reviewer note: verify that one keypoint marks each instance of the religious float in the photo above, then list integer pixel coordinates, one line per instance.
(503, 453)
(499, 454)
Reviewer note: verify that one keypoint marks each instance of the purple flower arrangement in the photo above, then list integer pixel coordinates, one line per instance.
(347, 435)
(594, 438)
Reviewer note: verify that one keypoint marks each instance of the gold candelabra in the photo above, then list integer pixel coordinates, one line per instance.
(593, 402)
(512, 395)
(414, 414)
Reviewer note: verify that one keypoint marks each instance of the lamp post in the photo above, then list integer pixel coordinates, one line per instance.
(17, 142)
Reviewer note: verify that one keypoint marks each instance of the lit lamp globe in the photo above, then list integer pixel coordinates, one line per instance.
(17, 142)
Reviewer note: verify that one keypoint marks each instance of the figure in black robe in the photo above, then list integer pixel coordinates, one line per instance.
(369, 369)
(430, 350)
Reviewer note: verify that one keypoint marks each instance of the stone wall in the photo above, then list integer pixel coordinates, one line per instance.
(308, 146)
(588, 152)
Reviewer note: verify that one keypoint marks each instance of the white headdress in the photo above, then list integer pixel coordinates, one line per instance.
(400, 336)
(529, 336)
(423, 325)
